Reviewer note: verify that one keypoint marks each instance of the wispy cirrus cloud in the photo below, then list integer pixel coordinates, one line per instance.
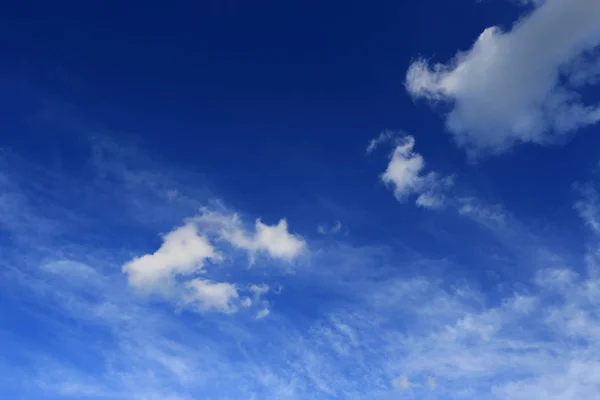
(356, 322)
(484, 214)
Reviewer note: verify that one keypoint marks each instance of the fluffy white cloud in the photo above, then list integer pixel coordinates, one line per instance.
(183, 252)
(212, 296)
(186, 250)
(520, 85)
(405, 173)
(274, 240)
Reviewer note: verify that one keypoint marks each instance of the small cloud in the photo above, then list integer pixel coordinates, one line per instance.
(405, 173)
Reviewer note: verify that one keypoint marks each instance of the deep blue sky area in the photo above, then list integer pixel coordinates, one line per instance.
(120, 119)
(274, 79)
(249, 91)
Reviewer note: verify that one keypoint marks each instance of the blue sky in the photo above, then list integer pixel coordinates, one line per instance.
(300, 200)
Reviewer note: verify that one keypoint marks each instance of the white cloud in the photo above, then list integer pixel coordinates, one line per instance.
(183, 252)
(508, 87)
(405, 173)
(212, 296)
(274, 240)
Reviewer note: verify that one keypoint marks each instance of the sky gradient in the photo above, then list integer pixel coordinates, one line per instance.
(300, 200)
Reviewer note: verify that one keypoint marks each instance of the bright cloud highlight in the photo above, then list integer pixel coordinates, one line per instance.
(183, 252)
